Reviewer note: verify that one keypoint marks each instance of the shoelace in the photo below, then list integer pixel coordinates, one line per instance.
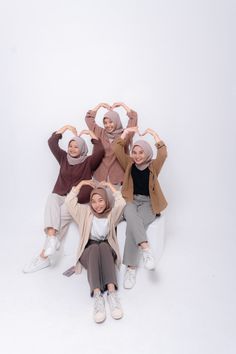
(99, 304)
(114, 301)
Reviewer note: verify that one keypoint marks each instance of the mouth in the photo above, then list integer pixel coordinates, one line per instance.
(99, 211)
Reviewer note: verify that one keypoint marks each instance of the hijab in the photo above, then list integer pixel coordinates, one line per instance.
(83, 148)
(103, 193)
(146, 147)
(118, 128)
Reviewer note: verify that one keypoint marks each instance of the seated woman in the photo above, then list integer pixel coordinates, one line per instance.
(144, 198)
(98, 250)
(110, 169)
(75, 166)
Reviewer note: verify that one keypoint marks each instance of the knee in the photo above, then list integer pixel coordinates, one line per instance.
(129, 210)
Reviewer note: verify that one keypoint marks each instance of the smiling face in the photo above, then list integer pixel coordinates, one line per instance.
(73, 149)
(109, 126)
(138, 155)
(98, 203)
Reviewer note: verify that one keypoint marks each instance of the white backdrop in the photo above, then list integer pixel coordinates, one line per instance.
(171, 61)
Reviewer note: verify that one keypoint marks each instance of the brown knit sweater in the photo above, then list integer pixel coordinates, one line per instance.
(69, 175)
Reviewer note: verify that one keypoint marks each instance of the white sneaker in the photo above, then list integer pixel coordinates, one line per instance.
(51, 246)
(37, 263)
(129, 278)
(148, 259)
(115, 307)
(99, 313)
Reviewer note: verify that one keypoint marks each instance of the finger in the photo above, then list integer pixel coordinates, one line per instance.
(144, 133)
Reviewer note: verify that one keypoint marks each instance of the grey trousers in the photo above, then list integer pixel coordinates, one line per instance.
(56, 215)
(99, 260)
(138, 216)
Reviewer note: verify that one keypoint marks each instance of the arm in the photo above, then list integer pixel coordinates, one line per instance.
(90, 119)
(72, 201)
(54, 140)
(119, 202)
(161, 150)
(98, 149)
(133, 117)
(118, 147)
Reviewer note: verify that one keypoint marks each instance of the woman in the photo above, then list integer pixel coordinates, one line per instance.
(75, 166)
(98, 250)
(110, 169)
(144, 198)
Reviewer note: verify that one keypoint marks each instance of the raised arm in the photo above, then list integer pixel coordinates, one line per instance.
(119, 147)
(72, 201)
(161, 150)
(90, 119)
(133, 117)
(119, 202)
(54, 140)
(98, 149)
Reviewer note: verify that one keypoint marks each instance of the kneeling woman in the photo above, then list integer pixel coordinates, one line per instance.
(98, 249)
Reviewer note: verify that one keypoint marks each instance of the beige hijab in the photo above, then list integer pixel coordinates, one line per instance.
(148, 153)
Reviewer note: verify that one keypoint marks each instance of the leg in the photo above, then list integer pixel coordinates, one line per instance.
(109, 279)
(146, 214)
(135, 234)
(57, 219)
(52, 224)
(65, 221)
(108, 272)
(90, 260)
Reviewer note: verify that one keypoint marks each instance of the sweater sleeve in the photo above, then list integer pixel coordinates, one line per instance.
(118, 207)
(92, 125)
(73, 206)
(161, 156)
(133, 119)
(118, 148)
(97, 154)
(53, 143)
(132, 122)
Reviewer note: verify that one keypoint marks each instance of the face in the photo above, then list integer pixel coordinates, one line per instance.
(98, 203)
(138, 155)
(109, 126)
(73, 149)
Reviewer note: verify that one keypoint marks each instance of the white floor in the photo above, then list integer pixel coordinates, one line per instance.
(187, 306)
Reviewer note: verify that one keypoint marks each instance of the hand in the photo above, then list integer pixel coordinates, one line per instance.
(103, 105)
(107, 184)
(151, 132)
(86, 182)
(129, 130)
(67, 127)
(72, 129)
(88, 132)
(120, 104)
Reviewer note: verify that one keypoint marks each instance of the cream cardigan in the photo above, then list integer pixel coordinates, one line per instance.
(83, 216)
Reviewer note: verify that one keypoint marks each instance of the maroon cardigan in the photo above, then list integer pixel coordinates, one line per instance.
(71, 175)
